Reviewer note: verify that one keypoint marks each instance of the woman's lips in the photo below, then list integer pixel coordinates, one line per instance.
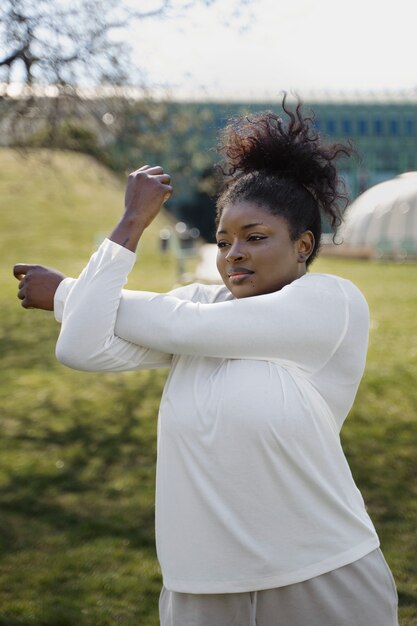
(239, 276)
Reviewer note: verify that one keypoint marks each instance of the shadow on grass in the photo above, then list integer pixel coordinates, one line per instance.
(77, 501)
(92, 507)
(127, 522)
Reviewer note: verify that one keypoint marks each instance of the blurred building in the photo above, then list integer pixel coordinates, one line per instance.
(381, 126)
(382, 222)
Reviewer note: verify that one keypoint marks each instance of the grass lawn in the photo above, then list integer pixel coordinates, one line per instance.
(77, 452)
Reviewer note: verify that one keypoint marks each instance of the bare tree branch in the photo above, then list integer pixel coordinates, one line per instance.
(54, 49)
(19, 54)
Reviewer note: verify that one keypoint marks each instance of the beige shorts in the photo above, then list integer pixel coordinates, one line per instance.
(362, 593)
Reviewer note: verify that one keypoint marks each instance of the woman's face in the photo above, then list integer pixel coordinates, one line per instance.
(255, 252)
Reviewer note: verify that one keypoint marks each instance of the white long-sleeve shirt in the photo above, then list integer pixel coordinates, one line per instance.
(253, 489)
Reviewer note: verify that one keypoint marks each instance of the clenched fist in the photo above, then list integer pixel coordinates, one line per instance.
(146, 191)
(37, 285)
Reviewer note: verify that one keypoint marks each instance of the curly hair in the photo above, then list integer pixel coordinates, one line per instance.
(284, 167)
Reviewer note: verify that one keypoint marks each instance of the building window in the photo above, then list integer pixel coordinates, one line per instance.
(393, 128)
(330, 126)
(362, 127)
(410, 127)
(317, 124)
(378, 127)
(347, 127)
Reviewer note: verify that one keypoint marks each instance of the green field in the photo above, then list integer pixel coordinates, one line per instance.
(78, 450)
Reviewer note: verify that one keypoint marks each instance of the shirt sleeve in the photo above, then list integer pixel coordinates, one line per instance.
(82, 345)
(303, 323)
(61, 295)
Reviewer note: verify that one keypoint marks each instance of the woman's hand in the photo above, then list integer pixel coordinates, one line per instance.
(146, 191)
(37, 285)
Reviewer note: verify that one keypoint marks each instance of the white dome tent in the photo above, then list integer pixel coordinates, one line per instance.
(383, 220)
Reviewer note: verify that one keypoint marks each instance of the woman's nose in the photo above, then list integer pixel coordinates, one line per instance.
(236, 252)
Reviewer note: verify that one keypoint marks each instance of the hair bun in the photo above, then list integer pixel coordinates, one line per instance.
(289, 148)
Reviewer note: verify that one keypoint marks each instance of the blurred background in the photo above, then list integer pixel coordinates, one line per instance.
(90, 90)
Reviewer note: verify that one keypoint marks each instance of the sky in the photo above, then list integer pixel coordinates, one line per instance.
(298, 45)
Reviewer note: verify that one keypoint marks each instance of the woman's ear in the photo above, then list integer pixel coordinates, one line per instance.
(305, 245)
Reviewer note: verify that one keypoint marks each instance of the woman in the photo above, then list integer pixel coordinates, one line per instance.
(258, 519)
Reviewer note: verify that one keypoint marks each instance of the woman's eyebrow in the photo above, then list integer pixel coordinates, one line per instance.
(224, 232)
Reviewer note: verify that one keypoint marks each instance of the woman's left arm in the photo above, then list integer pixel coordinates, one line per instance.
(303, 323)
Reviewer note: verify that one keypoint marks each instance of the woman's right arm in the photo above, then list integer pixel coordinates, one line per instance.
(86, 341)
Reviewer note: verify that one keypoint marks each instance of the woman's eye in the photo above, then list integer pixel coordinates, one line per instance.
(221, 244)
(256, 238)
